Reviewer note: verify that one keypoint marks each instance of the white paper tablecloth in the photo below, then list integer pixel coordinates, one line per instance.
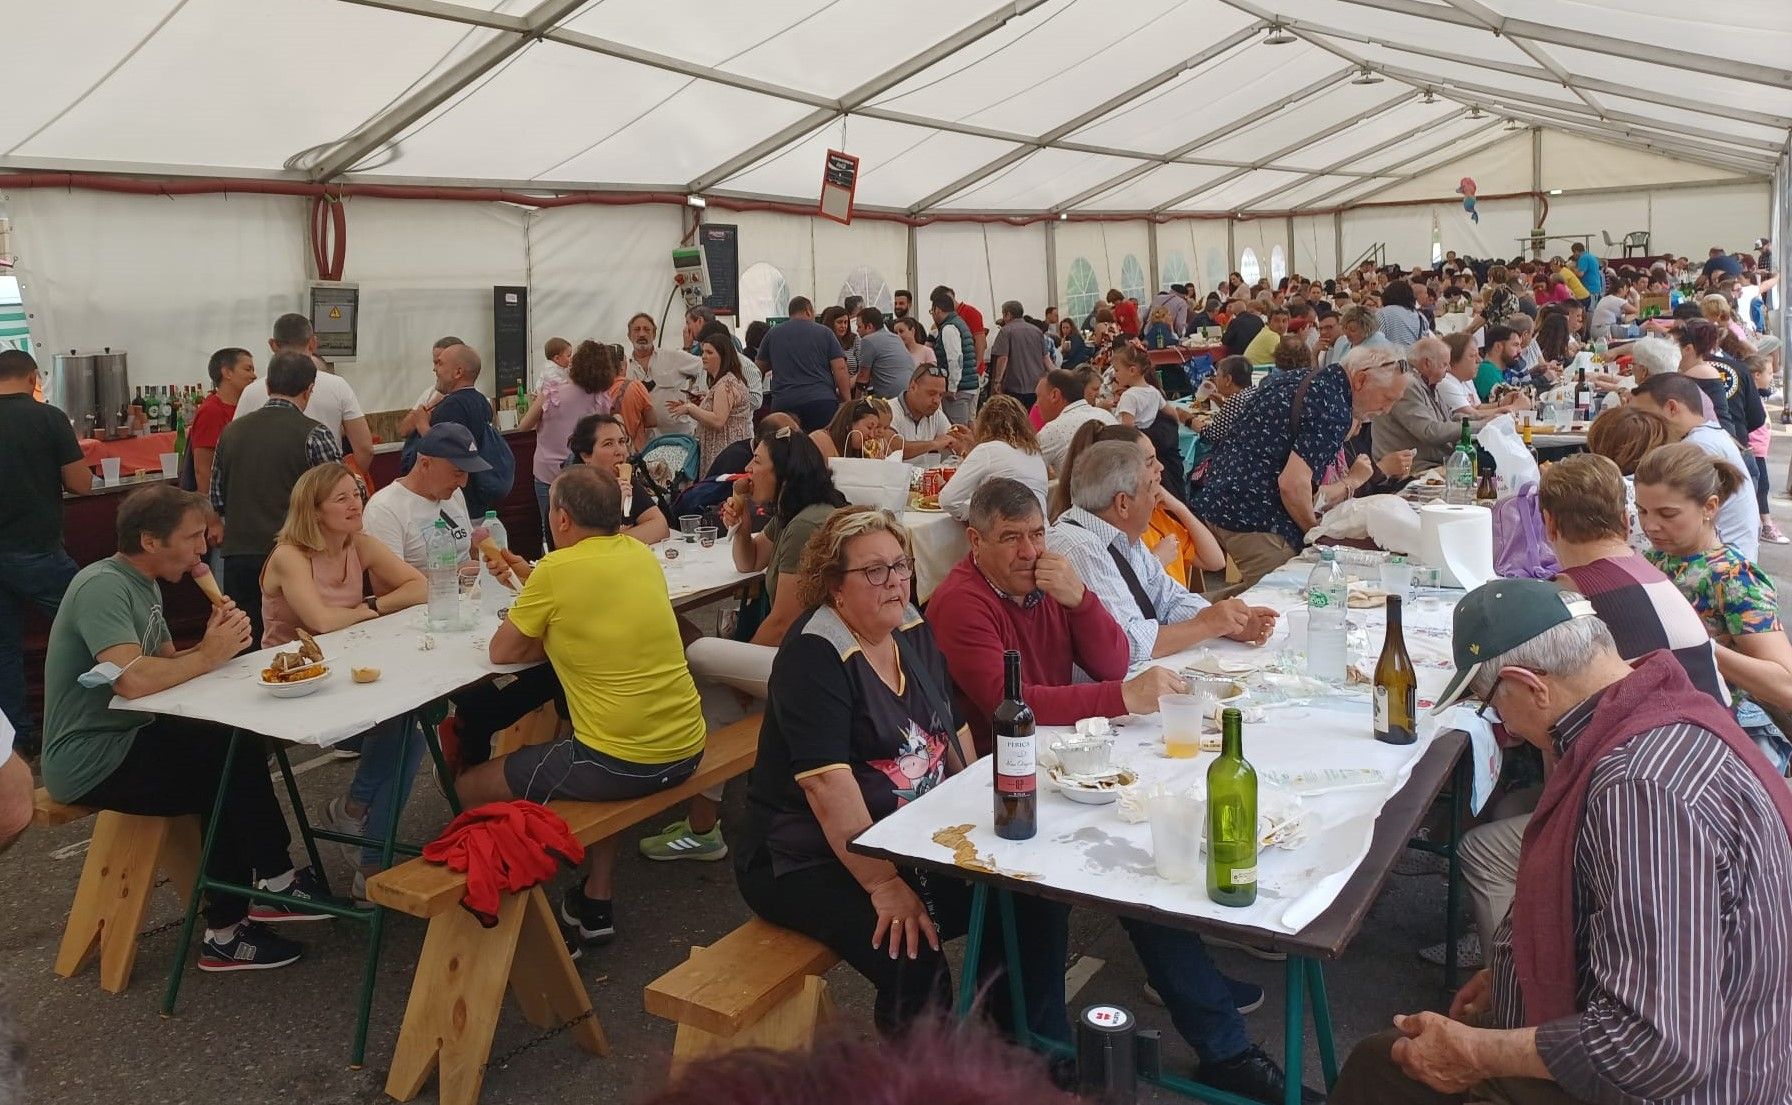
(940, 543)
(697, 573)
(409, 677)
(1088, 850)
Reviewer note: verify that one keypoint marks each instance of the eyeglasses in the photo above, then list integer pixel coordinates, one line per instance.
(879, 574)
(930, 370)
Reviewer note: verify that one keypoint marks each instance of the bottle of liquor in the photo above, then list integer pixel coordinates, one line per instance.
(1583, 397)
(1530, 446)
(1487, 490)
(1396, 685)
(1459, 470)
(1232, 818)
(1016, 765)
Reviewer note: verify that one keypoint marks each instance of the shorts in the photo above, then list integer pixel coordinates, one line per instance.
(572, 769)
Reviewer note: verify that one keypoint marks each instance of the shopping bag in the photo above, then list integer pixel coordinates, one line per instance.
(1520, 548)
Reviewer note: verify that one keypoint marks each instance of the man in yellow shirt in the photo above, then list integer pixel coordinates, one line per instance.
(597, 609)
(1262, 349)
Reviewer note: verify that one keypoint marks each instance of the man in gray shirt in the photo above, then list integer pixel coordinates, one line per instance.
(1017, 359)
(884, 362)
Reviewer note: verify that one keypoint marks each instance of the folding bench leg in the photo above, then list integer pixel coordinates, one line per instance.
(117, 880)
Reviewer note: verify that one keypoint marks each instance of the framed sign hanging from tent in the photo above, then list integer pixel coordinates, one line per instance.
(839, 180)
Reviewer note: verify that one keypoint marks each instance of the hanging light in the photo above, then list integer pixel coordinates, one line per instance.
(1514, 124)
(1474, 112)
(1279, 36)
(1430, 97)
(1366, 76)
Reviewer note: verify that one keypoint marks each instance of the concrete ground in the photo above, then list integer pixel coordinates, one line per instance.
(286, 1034)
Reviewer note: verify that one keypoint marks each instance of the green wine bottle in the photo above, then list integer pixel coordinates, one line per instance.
(1232, 819)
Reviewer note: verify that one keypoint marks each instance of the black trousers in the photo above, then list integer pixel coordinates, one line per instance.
(825, 902)
(242, 582)
(173, 768)
(500, 703)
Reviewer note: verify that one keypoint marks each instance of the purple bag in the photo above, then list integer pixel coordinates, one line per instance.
(1520, 549)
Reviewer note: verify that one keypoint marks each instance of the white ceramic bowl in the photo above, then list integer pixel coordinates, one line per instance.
(296, 690)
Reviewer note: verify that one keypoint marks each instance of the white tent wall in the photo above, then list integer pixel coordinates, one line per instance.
(590, 268)
(1504, 166)
(1202, 242)
(1315, 246)
(426, 270)
(168, 280)
(840, 251)
(985, 263)
(1104, 247)
(1690, 221)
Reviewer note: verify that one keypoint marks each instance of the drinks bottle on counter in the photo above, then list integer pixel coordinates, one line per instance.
(1232, 818)
(1016, 759)
(1396, 685)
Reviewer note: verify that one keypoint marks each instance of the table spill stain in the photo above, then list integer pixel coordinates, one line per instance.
(1111, 853)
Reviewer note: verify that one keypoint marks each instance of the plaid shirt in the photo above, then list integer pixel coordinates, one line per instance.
(321, 447)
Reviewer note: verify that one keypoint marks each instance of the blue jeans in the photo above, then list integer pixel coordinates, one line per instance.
(383, 777)
(35, 579)
(1195, 993)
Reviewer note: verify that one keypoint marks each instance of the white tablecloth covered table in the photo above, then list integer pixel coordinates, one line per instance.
(410, 677)
(1089, 851)
(698, 574)
(940, 543)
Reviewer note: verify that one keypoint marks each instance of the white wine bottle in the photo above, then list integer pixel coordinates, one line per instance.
(1396, 685)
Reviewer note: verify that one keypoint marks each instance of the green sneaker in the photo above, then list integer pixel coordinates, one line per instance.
(677, 841)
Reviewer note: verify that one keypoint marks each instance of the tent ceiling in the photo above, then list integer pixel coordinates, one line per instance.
(1020, 106)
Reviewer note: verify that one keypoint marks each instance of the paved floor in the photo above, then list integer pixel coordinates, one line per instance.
(286, 1034)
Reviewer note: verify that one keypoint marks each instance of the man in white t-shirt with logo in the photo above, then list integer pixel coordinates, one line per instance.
(916, 415)
(400, 513)
(332, 401)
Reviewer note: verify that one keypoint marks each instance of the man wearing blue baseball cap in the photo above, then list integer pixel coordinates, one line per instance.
(1645, 955)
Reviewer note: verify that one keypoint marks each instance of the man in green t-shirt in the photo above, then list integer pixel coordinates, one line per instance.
(110, 638)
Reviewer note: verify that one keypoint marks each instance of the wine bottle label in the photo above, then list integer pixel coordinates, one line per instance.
(1244, 876)
(1016, 768)
(1381, 709)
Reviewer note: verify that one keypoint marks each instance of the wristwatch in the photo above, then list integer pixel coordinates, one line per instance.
(373, 603)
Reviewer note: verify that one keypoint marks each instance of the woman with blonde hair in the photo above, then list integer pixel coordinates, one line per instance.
(864, 723)
(1678, 491)
(1005, 445)
(313, 582)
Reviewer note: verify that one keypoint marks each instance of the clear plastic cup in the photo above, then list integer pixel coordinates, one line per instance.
(1183, 717)
(706, 536)
(1175, 835)
(687, 525)
(171, 465)
(110, 469)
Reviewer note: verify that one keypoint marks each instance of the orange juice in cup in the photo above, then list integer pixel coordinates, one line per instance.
(1183, 717)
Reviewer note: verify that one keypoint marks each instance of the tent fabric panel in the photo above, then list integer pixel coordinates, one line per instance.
(1105, 246)
(1040, 180)
(1570, 161)
(166, 280)
(1315, 246)
(1203, 242)
(426, 269)
(1330, 147)
(592, 267)
(881, 247)
(1691, 221)
(1769, 36)
(1155, 187)
(658, 146)
(1318, 115)
(1502, 223)
(1616, 214)
(1502, 167)
(1438, 145)
(1205, 99)
(38, 57)
(182, 99)
(1238, 190)
(1713, 87)
(1301, 194)
(1405, 231)
(898, 163)
(978, 259)
(1397, 27)
(784, 42)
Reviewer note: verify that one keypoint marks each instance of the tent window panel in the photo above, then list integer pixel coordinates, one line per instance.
(865, 282)
(1081, 290)
(764, 294)
(1132, 279)
(1278, 265)
(1248, 266)
(1176, 269)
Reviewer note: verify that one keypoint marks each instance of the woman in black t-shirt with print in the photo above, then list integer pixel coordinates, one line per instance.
(859, 723)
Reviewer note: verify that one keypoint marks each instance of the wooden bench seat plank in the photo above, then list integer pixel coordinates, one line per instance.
(48, 812)
(424, 889)
(739, 979)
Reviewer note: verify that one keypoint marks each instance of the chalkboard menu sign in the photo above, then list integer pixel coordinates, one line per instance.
(721, 256)
(510, 338)
(839, 182)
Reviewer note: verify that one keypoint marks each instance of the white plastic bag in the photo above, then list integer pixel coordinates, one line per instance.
(880, 483)
(1388, 520)
(1511, 459)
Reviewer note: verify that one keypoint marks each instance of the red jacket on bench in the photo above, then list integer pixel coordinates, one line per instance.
(503, 847)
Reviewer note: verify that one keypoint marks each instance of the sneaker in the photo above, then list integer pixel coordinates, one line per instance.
(1268, 955)
(305, 886)
(1253, 1075)
(1417, 861)
(251, 947)
(679, 841)
(575, 951)
(592, 922)
(1247, 996)
(1770, 531)
(1468, 952)
(336, 819)
(349, 749)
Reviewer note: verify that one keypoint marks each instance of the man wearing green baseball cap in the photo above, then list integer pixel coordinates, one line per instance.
(1644, 955)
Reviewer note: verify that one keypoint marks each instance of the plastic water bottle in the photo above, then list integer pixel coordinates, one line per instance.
(1328, 600)
(1459, 471)
(493, 596)
(441, 561)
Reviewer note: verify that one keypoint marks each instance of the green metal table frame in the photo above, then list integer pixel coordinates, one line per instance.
(1305, 982)
(374, 917)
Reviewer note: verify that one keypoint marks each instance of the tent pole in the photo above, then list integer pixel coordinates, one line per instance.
(1337, 242)
(1782, 232)
(914, 268)
(1156, 279)
(1536, 177)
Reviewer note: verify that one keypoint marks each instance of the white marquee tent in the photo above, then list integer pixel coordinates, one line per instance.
(1043, 150)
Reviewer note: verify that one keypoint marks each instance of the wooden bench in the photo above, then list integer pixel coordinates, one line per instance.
(759, 986)
(126, 854)
(458, 988)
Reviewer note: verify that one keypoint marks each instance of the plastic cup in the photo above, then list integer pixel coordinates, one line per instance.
(171, 465)
(1175, 835)
(687, 525)
(1183, 717)
(706, 536)
(1396, 580)
(109, 469)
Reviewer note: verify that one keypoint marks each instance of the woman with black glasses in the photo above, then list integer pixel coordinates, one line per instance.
(859, 723)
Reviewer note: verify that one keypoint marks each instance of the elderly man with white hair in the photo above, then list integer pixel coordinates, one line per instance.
(1418, 423)
(1645, 954)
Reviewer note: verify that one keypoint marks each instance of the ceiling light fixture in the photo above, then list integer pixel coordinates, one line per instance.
(696, 201)
(1430, 97)
(1063, 216)
(1279, 36)
(1514, 124)
(1474, 112)
(1366, 76)
(1555, 191)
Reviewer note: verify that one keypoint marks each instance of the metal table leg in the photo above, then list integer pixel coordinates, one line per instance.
(299, 814)
(973, 951)
(1453, 883)
(1294, 1023)
(201, 882)
(376, 925)
(1322, 1021)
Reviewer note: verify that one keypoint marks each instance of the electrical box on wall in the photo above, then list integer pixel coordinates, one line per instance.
(687, 275)
(336, 317)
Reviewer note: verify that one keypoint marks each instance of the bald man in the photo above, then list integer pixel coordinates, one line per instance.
(457, 378)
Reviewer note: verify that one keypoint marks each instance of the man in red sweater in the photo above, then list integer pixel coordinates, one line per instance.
(1010, 592)
(1013, 593)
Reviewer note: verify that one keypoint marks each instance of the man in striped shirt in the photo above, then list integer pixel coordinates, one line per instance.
(1647, 952)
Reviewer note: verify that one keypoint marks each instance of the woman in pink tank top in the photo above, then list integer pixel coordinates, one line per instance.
(314, 581)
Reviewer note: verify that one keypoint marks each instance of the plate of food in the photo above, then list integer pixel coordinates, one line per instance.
(298, 672)
(926, 504)
(1092, 790)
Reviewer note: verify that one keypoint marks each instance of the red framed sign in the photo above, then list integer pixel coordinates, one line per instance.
(839, 181)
